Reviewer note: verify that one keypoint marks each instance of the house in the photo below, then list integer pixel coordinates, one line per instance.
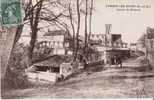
(97, 39)
(107, 40)
(58, 40)
(109, 45)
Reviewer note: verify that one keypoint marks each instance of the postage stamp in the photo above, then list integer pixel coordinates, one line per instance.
(11, 12)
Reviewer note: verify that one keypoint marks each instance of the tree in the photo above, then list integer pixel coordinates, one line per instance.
(72, 25)
(78, 29)
(34, 20)
(88, 15)
(35, 12)
(74, 17)
(90, 19)
(86, 34)
(141, 40)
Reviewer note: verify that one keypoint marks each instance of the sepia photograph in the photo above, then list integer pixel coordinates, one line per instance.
(68, 49)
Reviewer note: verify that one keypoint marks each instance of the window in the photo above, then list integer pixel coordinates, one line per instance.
(58, 43)
(53, 43)
(103, 36)
(97, 36)
(66, 44)
(92, 35)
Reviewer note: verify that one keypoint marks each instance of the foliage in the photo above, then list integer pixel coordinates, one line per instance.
(15, 75)
(141, 40)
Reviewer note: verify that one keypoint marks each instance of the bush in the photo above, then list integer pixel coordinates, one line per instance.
(15, 75)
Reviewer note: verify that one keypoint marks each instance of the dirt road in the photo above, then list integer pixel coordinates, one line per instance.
(107, 84)
(89, 86)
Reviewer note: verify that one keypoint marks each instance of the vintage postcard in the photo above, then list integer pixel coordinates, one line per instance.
(66, 49)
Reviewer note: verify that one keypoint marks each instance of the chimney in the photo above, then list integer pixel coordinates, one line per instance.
(108, 28)
(108, 36)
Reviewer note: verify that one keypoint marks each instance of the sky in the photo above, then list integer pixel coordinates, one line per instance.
(131, 24)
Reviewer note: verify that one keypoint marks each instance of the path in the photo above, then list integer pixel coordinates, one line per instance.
(108, 83)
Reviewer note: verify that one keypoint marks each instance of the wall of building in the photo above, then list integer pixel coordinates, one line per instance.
(100, 38)
(56, 42)
(55, 38)
(109, 41)
(59, 51)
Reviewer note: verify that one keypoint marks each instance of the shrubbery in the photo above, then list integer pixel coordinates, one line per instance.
(15, 75)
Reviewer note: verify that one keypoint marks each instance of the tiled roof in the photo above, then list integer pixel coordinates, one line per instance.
(55, 32)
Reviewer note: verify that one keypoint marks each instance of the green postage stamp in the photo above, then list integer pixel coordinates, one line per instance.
(11, 12)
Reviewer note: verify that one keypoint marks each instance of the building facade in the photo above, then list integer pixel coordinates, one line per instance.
(57, 40)
(109, 45)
